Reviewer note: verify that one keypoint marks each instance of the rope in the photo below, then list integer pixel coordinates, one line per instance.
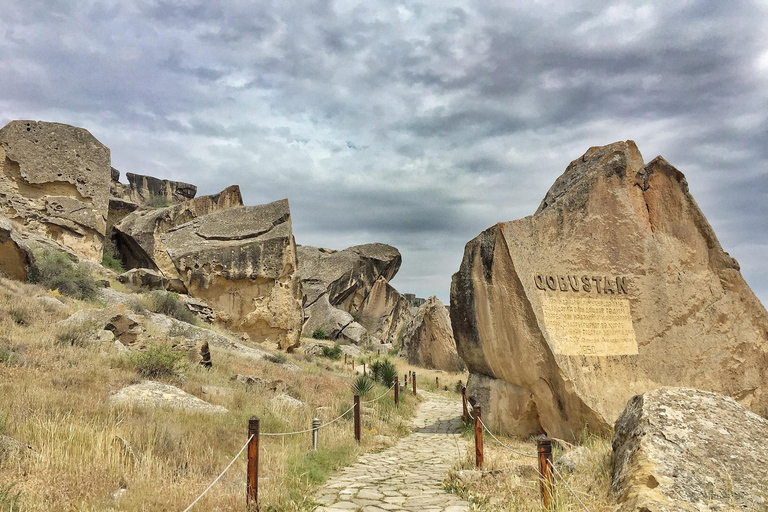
(562, 479)
(504, 445)
(380, 396)
(309, 429)
(221, 475)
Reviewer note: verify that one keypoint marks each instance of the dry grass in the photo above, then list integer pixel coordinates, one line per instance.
(55, 396)
(509, 481)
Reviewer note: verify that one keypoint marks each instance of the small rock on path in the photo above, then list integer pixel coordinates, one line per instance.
(408, 476)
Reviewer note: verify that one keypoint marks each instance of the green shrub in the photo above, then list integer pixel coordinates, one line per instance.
(319, 334)
(9, 501)
(20, 315)
(279, 358)
(383, 371)
(169, 304)
(362, 385)
(7, 356)
(56, 271)
(158, 361)
(333, 352)
(110, 261)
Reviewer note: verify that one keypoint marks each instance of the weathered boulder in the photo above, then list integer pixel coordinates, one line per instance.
(15, 254)
(336, 323)
(144, 278)
(151, 191)
(384, 312)
(428, 339)
(158, 395)
(54, 181)
(346, 276)
(242, 262)
(685, 449)
(139, 236)
(615, 286)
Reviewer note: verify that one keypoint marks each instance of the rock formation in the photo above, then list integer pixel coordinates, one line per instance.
(55, 181)
(15, 254)
(684, 449)
(615, 286)
(242, 262)
(428, 339)
(335, 284)
(150, 191)
(139, 237)
(384, 312)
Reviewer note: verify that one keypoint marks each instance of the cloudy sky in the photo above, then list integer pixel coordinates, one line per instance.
(414, 124)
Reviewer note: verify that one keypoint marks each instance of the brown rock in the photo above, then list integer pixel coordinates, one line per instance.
(685, 449)
(151, 191)
(144, 278)
(617, 285)
(384, 312)
(55, 181)
(15, 254)
(242, 261)
(428, 339)
(336, 323)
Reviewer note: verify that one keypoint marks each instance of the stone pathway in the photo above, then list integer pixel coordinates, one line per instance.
(408, 476)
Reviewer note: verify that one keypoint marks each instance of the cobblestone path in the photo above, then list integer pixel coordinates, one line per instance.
(406, 477)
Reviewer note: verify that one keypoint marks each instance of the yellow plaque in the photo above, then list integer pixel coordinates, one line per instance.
(579, 326)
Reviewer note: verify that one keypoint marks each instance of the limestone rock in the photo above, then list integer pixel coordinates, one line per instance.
(199, 308)
(337, 324)
(139, 237)
(147, 190)
(242, 261)
(685, 449)
(15, 254)
(384, 312)
(155, 394)
(144, 278)
(615, 286)
(283, 400)
(428, 339)
(55, 181)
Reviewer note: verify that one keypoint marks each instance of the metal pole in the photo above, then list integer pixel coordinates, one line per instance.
(315, 428)
(357, 418)
(464, 412)
(413, 380)
(478, 438)
(252, 497)
(397, 390)
(544, 446)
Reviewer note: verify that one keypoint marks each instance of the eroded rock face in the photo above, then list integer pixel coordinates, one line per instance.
(615, 286)
(336, 323)
(428, 338)
(384, 312)
(54, 180)
(685, 449)
(139, 236)
(15, 254)
(242, 262)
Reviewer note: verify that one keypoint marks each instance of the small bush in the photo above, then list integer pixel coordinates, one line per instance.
(158, 361)
(319, 334)
(55, 271)
(362, 385)
(20, 315)
(9, 501)
(73, 335)
(169, 304)
(279, 358)
(384, 371)
(113, 263)
(7, 356)
(333, 352)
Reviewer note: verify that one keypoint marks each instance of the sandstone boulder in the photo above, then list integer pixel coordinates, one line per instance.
(55, 181)
(384, 312)
(242, 262)
(685, 449)
(428, 339)
(15, 254)
(139, 236)
(144, 278)
(158, 395)
(151, 191)
(615, 286)
(336, 323)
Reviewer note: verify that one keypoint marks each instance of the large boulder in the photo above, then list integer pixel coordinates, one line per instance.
(139, 236)
(151, 191)
(242, 262)
(346, 276)
(384, 312)
(428, 339)
(337, 324)
(615, 286)
(15, 255)
(685, 449)
(55, 180)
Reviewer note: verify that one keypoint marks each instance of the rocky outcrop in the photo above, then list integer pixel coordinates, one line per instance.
(148, 191)
(428, 339)
(144, 278)
(335, 323)
(140, 236)
(685, 449)
(55, 180)
(242, 262)
(384, 312)
(158, 395)
(615, 286)
(15, 255)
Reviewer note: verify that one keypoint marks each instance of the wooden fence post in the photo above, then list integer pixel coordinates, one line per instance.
(397, 390)
(345, 359)
(252, 498)
(315, 429)
(478, 438)
(363, 367)
(544, 446)
(357, 418)
(413, 380)
(437, 382)
(464, 411)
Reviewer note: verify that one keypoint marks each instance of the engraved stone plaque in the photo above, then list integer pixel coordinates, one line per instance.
(589, 326)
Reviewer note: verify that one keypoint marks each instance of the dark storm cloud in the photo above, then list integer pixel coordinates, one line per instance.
(403, 122)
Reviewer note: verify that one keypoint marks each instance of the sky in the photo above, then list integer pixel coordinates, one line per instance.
(408, 123)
